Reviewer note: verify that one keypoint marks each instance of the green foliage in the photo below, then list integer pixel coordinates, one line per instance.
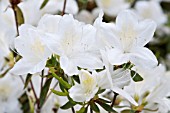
(62, 82)
(44, 4)
(28, 79)
(26, 105)
(136, 77)
(19, 14)
(106, 106)
(59, 93)
(94, 107)
(83, 110)
(68, 105)
(44, 91)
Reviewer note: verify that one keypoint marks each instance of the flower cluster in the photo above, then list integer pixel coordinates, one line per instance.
(95, 59)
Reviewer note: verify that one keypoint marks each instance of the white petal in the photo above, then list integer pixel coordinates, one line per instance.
(143, 57)
(126, 19)
(145, 31)
(88, 60)
(68, 66)
(121, 77)
(77, 93)
(125, 95)
(24, 66)
(117, 57)
(48, 22)
(102, 79)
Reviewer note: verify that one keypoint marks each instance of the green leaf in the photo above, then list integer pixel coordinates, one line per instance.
(68, 105)
(136, 77)
(83, 110)
(19, 14)
(59, 93)
(94, 107)
(106, 107)
(100, 91)
(26, 104)
(28, 78)
(61, 81)
(52, 62)
(103, 100)
(44, 4)
(44, 91)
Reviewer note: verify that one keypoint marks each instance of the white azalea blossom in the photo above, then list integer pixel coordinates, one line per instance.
(126, 39)
(112, 7)
(87, 88)
(152, 91)
(145, 11)
(9, 94)
(32, 49)
(73, 41)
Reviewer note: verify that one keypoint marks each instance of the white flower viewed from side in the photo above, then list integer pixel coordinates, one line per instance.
(73, 41)
(33, 51)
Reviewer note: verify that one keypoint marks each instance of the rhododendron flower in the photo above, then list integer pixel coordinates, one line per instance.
(32, 49)
(73, 41)
(126, 39)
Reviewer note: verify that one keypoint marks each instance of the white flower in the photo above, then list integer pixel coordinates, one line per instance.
(112, 7)
(32, 12)
(9, 94)
(73, 41)
(33, 51)
(152, 91)
(87, 88)
(126, 39)
(117, 79)
(85, 16)
(145, 10)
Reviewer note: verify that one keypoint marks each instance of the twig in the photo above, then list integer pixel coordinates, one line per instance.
(72, 108)
(114, 99)
(64, 7)
(51, 92)
(32, 87)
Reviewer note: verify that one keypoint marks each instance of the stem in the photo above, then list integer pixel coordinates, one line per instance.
(50, 92)
(42, 79)
(91, 111)
(32, 87)
(72, 108)
(114, 99)
(64, 7)
(16, 19)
